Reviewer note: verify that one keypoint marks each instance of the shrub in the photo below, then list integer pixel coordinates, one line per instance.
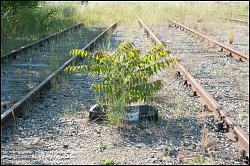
(125, 74)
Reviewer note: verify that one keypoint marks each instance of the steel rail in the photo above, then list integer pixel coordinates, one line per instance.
(208, 101)
(39, 42)
(242, 15)
(226, 49)
(8, 115)
(234, 20)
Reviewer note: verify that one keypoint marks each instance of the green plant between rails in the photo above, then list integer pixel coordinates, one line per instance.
(107, 162)
(197, 160)
(125, 76)
(102, 147)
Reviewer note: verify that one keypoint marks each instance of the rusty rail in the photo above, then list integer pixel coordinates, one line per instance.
(208, 101)
(8, 115)
(39, 42)
(234, 20)
(243, 15)
(239, 56)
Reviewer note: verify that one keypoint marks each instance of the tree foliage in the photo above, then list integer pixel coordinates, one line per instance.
(7, 6)
(125, 73)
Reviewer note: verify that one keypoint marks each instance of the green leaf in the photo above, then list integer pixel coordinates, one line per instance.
(125, 73)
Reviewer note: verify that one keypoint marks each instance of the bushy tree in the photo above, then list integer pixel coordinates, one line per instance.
(124, 70)
(8, 6)
(125, 73)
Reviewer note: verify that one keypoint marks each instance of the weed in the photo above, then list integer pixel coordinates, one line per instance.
(197, 160)
(102, 147)
(107, 162)
(196, 109)
(53, 63)
(207, 140)
(116, 114)
(125, 75)
(53, 84)
(29, 80)
(70, 109)
(230, 36)
(14, 117)
(64, 80)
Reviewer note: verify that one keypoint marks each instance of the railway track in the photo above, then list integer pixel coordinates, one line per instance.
(28, 74)
(46, 130)
(39, 42)
(24, 68)
(234, 36)
(205, 66)
(213, 43)
(243, 22)
(241, 15)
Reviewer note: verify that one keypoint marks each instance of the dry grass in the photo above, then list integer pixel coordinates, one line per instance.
(104, 13)
(231, 37)
(152, 12)
(206, 140)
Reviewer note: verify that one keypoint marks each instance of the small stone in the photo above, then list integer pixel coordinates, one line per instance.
(173, 153)
(158, 148)
(160, 160)
(186, 144)
(194, 146)
(65, 146)
(36, 141)
(166, 151)
(80, 134)
(139, 146)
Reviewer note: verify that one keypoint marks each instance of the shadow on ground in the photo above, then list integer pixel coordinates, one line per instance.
(174, 131)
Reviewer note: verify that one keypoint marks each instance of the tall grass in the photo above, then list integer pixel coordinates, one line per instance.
(102, 13)
(31, 24)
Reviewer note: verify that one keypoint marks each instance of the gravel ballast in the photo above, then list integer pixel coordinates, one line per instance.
(57, 130)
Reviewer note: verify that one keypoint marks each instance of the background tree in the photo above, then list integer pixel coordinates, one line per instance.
(12, 6)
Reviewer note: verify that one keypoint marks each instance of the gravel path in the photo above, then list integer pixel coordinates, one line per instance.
(57, 132)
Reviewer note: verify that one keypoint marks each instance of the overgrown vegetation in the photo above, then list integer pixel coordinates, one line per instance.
(23, 21)
(125, 75)
(26, 21)
(188, 13)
